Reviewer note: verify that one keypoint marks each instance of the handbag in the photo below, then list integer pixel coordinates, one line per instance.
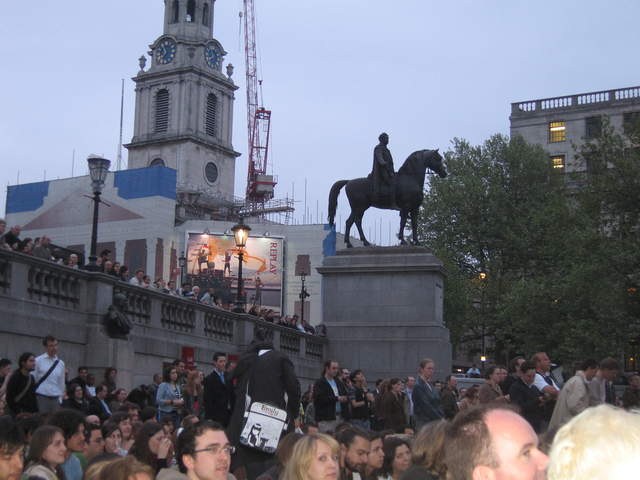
(263, 425)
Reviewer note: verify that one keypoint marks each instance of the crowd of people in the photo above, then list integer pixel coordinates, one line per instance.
(41, 247)
(188, 424)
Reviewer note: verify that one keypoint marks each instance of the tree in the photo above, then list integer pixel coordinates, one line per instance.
(559, 256)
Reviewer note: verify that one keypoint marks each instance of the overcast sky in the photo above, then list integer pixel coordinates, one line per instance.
(336, 73)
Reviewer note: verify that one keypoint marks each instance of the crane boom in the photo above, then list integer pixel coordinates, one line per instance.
(259, 185)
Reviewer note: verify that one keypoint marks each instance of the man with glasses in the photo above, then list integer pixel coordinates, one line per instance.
(203, 452)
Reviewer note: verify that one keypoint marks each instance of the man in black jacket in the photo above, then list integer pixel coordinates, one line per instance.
(21, 388)
(330, 398)
(525, 394)
(218, 392)
(264, 375)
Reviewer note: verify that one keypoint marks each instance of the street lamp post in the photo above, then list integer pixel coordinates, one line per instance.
(182, 262)
(240, 235)
(98, 169)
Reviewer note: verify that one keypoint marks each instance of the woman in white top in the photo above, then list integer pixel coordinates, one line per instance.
(46, 453)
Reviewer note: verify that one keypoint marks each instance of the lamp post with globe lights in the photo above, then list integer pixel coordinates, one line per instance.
(240, 235)
(98, 170)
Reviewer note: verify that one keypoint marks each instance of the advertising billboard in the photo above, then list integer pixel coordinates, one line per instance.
(212, 262)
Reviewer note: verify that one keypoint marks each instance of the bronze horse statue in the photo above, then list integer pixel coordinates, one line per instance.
(407, 188)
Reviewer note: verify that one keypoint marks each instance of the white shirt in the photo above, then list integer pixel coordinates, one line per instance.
(54, 385)
(540, 383)
(135, 281)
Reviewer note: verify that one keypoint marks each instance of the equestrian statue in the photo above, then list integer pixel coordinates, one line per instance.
(388, 190)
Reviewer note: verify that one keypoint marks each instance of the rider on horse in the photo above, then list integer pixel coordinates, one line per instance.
(382, 173)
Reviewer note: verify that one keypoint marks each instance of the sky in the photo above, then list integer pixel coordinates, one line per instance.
(336, 73)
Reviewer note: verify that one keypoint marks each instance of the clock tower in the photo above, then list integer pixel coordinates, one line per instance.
(184, 103)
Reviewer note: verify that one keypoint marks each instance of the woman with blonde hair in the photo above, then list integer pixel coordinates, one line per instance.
(126, 468)
(428, 453)
(193, 394)
(314, 457)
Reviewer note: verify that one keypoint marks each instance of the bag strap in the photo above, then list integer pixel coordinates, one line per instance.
(25, 390)
(46, 375)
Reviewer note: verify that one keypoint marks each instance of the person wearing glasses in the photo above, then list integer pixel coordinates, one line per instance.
(203, 452)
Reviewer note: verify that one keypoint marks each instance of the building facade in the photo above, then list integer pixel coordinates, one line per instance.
(562, 124)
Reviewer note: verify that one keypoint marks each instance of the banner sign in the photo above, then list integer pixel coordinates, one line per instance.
(212, 262)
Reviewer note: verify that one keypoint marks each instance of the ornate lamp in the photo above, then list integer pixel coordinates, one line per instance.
(98, 170)
(240, 235)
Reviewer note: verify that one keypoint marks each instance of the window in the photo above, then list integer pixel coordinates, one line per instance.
(157, 162)
(162, 111)
(631, 122)
(205, 15)
(191, 10)
(210, 119)
(593, 127)
(557, 162)
(595, 163)
(557, 132)
(211, 172)
(176, 11)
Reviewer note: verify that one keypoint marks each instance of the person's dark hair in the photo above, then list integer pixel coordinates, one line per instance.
(609, 364)
(468, 442)
(306, 426)
(67, 420)
(40, 440)
(23, 358)
(186, 443)
(177, 362)
(148, 413)
(71, 390)
(354, 374)
(389, 447)
(101, 387)
(119, 417)
(588, 363)
(108, 371)
(30, 424)
(166, 374)
(327, 364)
(490, 371)
(127, 405)
(83, 368)
(108, 428)
(47, 339)
(123, 270)
(347, 436)
(217, 355)
(4, 362)
(90, 427)
(513, 363)
(11, 436)
(140, 448)
(526, 366)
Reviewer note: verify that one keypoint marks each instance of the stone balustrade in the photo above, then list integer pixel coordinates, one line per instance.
(606, 97)
(39, 297)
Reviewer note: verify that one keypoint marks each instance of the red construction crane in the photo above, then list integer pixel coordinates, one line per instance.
(260, 186)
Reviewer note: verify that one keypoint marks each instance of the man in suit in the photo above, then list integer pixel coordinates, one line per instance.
(426, 398)
(218, 392)
(267, 376)
(98, 404)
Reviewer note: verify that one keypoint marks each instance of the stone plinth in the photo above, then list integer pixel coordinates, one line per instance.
(383, 310)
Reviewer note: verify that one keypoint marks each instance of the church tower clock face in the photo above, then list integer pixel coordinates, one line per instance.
(212, 56)
(165, 51)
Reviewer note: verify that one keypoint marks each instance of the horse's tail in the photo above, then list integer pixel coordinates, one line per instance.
(333, 199)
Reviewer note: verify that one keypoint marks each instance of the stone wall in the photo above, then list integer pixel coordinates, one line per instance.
(38, 297)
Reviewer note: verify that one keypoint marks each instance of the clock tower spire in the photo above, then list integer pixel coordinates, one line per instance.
(184, 103)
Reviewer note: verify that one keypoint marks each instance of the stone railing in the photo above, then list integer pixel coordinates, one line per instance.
(576, 101)
(162, 323)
